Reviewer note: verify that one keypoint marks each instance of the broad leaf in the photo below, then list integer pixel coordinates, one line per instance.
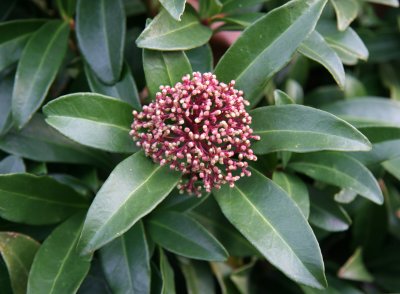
(183, 235)
(126, 262)
(274, 224)
(58, 267)
(100, 29)
(346, 12)
(175, 8)
(34, 200)
(340, 170)
(186, 34)
(132, 190)
(39, 64)
(93, 120)
(12, 164)
(18, 251)
(177, 201)
(300, 128)
(232, 5)
(201, 58)
(242, 20)
(164, 68)
(285, 27)
(315, 48)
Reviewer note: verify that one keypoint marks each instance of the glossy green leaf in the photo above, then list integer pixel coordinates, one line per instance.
(183, 235)
(125, 88)
(13, 37)
(175, 8)
(6, 88)
(209, 8)
(201, 58)
(232, 5)
(100, 29)
(255, 206)
(93, 120)
(39, 64)
(95, 281)
(58, 267)
(12, 164)
(393, 3)
(18, 251)
(295, 188)
(281, 98)
(198, 276)
(340, 170)
(126, 262)
(285, 27)
(164, 68)
(167, 275)
(38, 141)
(34, 200)
(367, 111)
(326, 214)
(77, 184)
(345, 196)
(378, 134)
(243, 20)
(300, 128)
(393, 166)
(335, 286)
(132, 190)
(164, 28)
(346, 12)
(181, 202)
(354, 269)
(315, 48)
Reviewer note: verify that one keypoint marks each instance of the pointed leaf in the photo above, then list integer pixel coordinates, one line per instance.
(209, 8)
(167, 275)
(281, 98)
(12, 164)
(346, 12)
(34, 200)
(132, 190)
(198, 276)
(100, 29)
(354, 268)
(93, 120)
(175, 8)
(393, 167)
(183, 235)
(257, 55)
(58, 267)
(288, 128)
(272, 222)
(340, 170)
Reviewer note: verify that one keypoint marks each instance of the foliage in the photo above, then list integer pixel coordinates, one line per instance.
(82, 209)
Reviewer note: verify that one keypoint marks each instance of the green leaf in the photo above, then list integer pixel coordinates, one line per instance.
(66, 8)
(300, 128)
(391, 79)
(181, 202)
(167, 275)
(18, 251)
(198, 276)
(378, 134)
(37, 69)
(125, 88)
(126, 262)
(315, 48)
(175, 8)
(100, 29)
(242, 20)
(38, 141)
(392, 202)
(354, 269)
(135, 186)
(209, 8)
(232, 5)
(367, 111)
(336, 286)
(380, 152)
(295, 188)
(393, 167)
(164, 68)
(184, 236)
(393, 3)
(346, 12)
(201, 58)
(158, 35)
(340, 170)
(93, 120)
(285, 27)
(326, 214)
(6, 88)
(34, 200)
(255, 206)
(13, 37)
(12, 164)
(281, 98)
(58, 267)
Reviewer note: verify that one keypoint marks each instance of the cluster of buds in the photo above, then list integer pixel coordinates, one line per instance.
(199, 127)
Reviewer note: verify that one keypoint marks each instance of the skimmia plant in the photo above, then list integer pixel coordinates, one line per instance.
(211, 146)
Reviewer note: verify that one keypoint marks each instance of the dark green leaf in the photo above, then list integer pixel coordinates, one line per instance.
(243, 20)
(201, 58)
(392, 202)
(95, 281)
(255, 206)
(77, 184)
(285, 27)
(166, 33)
(336, 286)
(391, 79)
(198, 276)
(340, 170)
(303, 129)
(380, 152)
(167, 275)
(164, 68)
(126, 262)
(378, 134)
(6, 88)
(175, 8)
(12, 164)
(125, 88)
(18, 251)
(183, 235)
(181, 202)
(209, 8)
(135, 186)
(232, 5)
(354, 268)
(39, 64)
(346, 12)
(58, 267)
(67, 8)
(34, 200)
(100, 29)
(93, 120)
